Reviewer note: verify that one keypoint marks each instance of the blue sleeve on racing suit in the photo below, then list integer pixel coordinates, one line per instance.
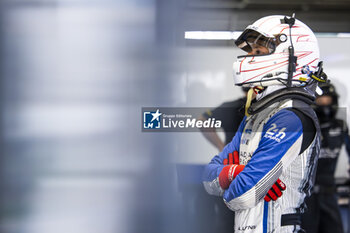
(279, 134)
(213, 169)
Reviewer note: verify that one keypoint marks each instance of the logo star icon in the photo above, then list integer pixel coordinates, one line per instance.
(156, 115)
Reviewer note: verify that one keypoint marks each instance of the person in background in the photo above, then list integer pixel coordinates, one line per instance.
(323, 214)
(230, 114)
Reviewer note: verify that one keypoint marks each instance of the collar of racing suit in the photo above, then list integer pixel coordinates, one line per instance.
(270, 98)
(267, 91)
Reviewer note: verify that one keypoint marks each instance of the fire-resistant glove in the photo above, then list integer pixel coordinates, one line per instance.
(275, 191)
(233, 168)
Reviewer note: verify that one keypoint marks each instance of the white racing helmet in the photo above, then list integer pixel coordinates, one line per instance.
(273, 32)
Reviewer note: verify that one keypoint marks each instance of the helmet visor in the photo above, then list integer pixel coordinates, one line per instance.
(251, 37)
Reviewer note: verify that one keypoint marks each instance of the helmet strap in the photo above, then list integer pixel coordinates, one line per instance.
(255, 90)
(249, 101)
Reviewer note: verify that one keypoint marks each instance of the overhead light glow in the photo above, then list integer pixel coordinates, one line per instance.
(332, 34)
(343, 34)
(233, 35)
(211, 35)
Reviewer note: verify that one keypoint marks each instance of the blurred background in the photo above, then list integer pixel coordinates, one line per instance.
(74, 76)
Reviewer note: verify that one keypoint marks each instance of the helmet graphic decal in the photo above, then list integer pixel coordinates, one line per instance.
(280, 63)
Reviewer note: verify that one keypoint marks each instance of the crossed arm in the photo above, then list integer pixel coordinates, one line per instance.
(265, 166)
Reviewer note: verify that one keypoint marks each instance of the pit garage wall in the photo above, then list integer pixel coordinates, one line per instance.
(204, 79)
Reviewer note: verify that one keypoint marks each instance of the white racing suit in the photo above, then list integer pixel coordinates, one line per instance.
(271, 146)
